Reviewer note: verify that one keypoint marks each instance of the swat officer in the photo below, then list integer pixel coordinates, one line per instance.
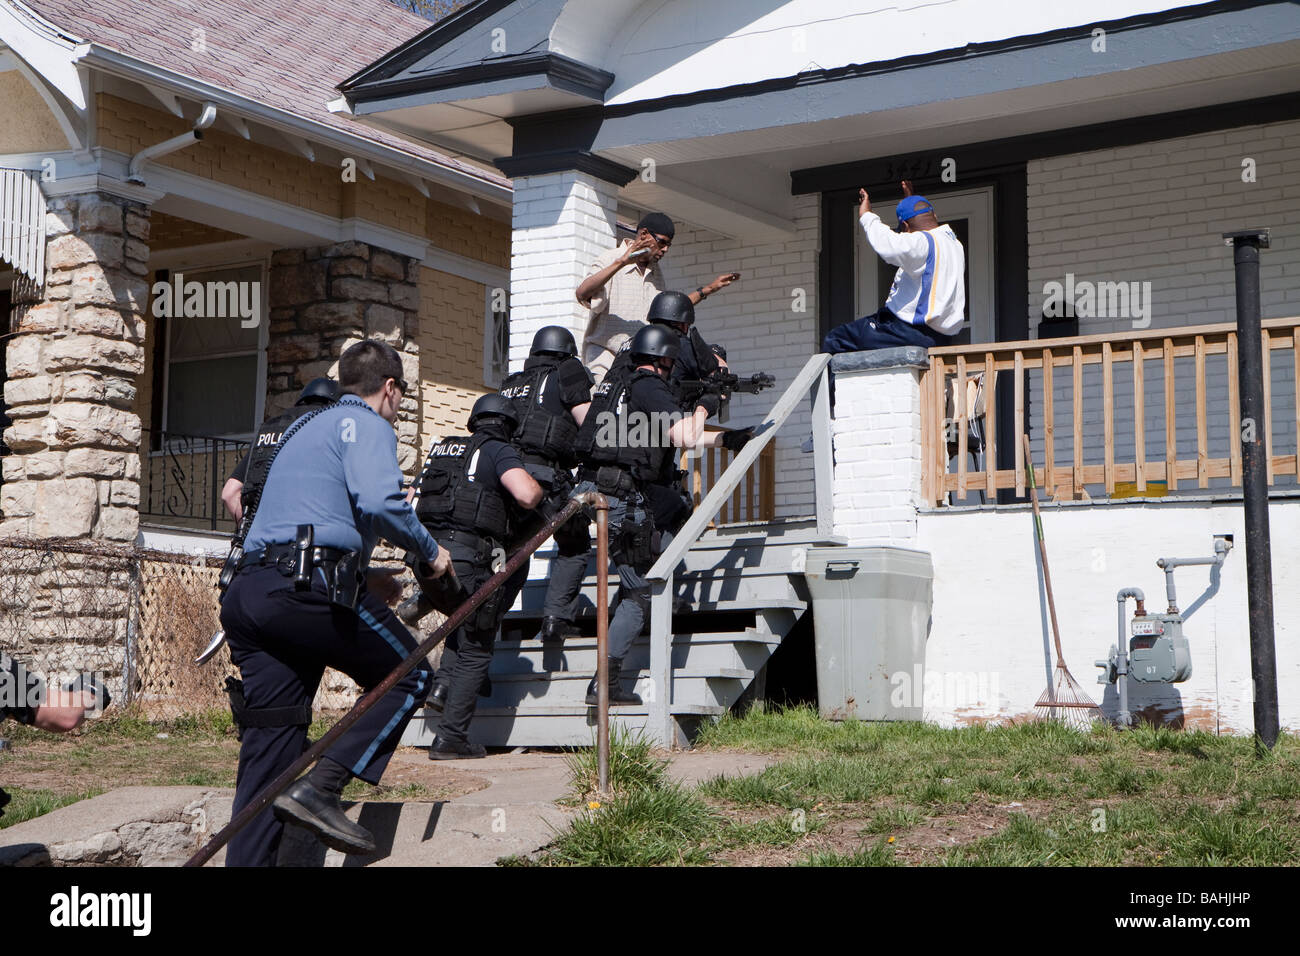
(246, 480)
(465, 491)
(551, 396)
(621, 448)
(304, 599)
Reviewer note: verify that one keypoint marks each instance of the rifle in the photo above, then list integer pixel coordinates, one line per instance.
(723, 384)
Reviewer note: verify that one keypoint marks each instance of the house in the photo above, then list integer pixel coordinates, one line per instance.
(194, 235)
(1089, 156)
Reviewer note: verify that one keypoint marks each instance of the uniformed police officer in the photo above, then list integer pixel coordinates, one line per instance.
(246, 480)
(305, 599)
(465, 492)
(551, 396)
(621, 447)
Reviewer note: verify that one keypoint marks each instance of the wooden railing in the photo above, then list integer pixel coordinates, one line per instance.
(1185, 365)
(754, 498)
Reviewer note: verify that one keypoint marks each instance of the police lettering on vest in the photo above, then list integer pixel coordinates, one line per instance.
(451, 496)
(544, 431)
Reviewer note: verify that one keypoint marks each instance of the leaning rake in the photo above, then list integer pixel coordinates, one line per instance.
(1064, 700)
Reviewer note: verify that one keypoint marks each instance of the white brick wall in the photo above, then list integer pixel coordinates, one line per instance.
(755, 320)
(1155, 213)
(562, 222)
(877, 432)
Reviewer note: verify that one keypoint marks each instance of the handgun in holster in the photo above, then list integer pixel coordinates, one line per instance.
(345, 584)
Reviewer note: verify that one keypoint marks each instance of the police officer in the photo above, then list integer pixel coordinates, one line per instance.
(305, 599)
(245, 482)
(23, 697)
(551, 396)
(465, 490)
(621, 450)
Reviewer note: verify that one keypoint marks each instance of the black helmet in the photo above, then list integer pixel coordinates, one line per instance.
(655, 341)
(320, 391)
(493, 405)
(672, 307)
(554, 338)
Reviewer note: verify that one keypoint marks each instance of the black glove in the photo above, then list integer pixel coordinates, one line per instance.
(711, 402)
(737, 438)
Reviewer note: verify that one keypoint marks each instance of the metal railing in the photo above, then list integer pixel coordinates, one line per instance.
(182, 477)
(661, 575)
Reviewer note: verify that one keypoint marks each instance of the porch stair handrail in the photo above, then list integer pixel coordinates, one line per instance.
(661, 575)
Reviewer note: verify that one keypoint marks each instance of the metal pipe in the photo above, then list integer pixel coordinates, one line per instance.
(134, 170)
(290, 774)
(1220, 552)
(1121, 661)
(1254, 480)
(602, 650)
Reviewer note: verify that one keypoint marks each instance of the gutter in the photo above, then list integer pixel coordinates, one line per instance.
(92, 55)
(206, 119)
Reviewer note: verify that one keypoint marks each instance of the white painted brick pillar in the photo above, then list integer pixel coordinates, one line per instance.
(877, 440)
(562, 222)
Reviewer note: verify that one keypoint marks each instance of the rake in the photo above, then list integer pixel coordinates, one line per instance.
(1064, 700)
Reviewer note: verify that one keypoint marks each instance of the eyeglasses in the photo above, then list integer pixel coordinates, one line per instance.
(400, 383)
(663, 242)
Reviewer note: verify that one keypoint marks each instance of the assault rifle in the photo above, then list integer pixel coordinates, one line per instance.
(723, 384)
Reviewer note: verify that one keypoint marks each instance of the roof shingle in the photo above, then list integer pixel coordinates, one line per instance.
(278, 52)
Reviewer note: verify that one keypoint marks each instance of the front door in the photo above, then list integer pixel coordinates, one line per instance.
(970, 214)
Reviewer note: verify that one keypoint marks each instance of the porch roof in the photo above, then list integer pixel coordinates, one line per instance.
(280, 53)
(773, 87)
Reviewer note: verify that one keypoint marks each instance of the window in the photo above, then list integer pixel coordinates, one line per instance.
(496, 338)
(215, 367)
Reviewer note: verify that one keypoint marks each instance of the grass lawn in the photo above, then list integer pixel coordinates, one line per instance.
(862, 794)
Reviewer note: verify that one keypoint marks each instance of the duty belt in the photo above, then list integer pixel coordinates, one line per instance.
(275, 553)
(477, 541)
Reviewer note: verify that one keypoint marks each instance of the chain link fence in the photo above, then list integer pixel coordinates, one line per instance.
(136, 618)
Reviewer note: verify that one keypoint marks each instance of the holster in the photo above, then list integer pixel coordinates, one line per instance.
(246, 716)
(343, 580)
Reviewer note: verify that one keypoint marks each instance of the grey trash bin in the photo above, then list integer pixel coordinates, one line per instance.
(871, 613)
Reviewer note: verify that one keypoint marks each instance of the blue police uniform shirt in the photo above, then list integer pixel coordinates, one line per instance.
(339, 473)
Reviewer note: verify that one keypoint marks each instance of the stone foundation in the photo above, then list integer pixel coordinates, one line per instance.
(72, 363)
(326, 298)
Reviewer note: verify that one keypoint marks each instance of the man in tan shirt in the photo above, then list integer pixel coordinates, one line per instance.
(621, 285)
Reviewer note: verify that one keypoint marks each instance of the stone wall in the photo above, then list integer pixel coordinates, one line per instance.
(326, 298)
(73, 364)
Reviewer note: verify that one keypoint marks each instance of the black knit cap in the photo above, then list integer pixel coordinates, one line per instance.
(658, 224)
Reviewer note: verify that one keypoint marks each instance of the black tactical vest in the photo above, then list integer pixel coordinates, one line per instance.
(541, 431)
(451, 498)
(610, 436)
(265, 442)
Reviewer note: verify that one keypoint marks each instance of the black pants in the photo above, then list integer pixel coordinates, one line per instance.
(467, 654)
(573, 548)
(881, 330)
(282, 640)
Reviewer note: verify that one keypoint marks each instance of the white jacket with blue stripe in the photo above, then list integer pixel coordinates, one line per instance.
(929, 286)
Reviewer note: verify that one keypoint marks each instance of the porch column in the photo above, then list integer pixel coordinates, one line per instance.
(562, 222)
(326, 298)
(72, 366)
(877, 440)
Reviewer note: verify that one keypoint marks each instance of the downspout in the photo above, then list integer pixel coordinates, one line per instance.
(206, 119)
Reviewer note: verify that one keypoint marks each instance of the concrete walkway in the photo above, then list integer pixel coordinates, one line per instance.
(515, 814)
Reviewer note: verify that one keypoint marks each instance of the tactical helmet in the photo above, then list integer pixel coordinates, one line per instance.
(493, 405)
(320, 391)
(554, 338)
(672, 307)
(655, 341)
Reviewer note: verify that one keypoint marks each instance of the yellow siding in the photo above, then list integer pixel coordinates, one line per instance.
(462, 232)
(26, 123)
(452, 313)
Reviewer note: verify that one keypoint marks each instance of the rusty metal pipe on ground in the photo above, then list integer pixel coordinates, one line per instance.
(368, 700)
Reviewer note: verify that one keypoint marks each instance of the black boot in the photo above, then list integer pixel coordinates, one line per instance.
(437, 698)
(556, 629)
(617, 695)
(321, 813)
